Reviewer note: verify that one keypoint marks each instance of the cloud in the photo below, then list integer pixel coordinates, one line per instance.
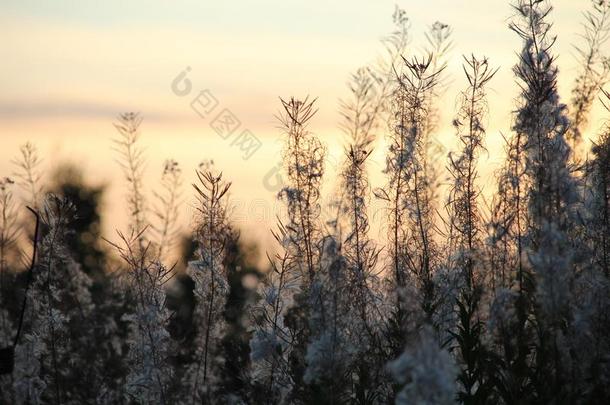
(71, 109)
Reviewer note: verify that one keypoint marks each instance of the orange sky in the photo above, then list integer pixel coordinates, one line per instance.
(69, 67)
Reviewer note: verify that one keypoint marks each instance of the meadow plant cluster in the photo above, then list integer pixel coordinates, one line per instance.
(464, 299)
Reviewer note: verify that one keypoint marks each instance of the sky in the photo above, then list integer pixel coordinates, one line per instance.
(69, 67)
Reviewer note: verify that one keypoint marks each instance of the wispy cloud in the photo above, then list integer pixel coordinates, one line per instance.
(72, 109)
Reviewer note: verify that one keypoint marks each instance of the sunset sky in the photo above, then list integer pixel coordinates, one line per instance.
(69, 67)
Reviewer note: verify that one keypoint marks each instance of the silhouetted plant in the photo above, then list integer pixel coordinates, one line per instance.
(9, 229)
(361, 115)
(552, 196)
(304, 162)
(594, 68)
(408, 194)
(599, 199)
(28, 173)
(592, 320)
(167, 206)
(303, 158)
(465, 223)
(211, 286)
(131, 159)
(148, 367)
(9, 234)
(272, 341)
(439, 44)
(48, 358)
